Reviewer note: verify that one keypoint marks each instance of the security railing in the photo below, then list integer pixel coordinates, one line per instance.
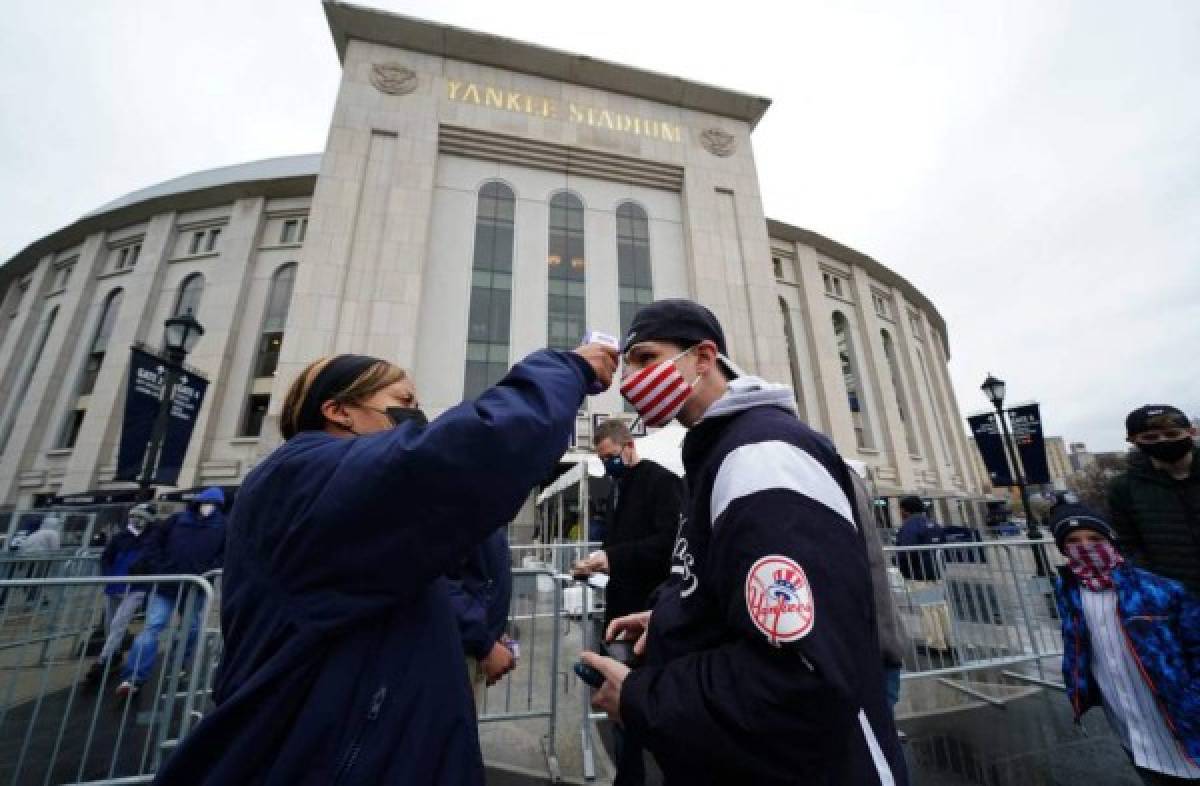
(967, 607)
(63, 718)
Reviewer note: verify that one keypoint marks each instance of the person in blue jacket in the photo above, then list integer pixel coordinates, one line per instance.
(189, 543)
(762, 662)
(480, 592)
(122, 600)
(1131, 644)
(343, 662)
(918, 530)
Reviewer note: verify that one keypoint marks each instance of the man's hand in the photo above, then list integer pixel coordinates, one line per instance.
(607, 697)
(499, 661)
(596, 562)
(634, 626)
(602, 359)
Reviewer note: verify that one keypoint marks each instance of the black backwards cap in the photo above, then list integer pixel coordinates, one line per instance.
(1153, 417)
(337, 375)
(680, 321)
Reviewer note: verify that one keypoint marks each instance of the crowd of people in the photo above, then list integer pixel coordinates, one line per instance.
(367, 581)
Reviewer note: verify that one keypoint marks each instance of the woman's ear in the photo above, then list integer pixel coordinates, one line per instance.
(335, 411)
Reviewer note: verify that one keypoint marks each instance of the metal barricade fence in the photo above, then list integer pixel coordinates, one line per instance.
(530, 692)
(967, 607)
(558, 557)
(61, 718)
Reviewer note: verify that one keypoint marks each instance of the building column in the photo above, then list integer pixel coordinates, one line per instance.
(98, 436)
(22, 328)
(830, 387)
(223, 306)
(29, 434)
(894, 447)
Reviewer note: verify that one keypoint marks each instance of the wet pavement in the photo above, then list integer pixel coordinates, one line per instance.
(1031, 741)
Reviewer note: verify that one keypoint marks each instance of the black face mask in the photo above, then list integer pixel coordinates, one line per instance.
(402, 414)
(1170, 452)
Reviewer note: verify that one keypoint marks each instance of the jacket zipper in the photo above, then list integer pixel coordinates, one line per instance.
(356, 747)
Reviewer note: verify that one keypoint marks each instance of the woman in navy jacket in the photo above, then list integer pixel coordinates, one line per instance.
(342, 660)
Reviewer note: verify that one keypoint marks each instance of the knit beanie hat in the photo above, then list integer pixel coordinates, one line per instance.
(1069, 517)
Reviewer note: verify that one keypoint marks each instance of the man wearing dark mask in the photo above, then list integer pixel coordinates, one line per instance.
(1155, 504)
(643, 521)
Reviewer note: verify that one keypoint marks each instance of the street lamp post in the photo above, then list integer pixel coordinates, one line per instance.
(180, 334)
(994, 389)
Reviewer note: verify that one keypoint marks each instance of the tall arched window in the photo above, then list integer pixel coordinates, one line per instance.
(190, 292)
(789, 338)
(92, 364)
(633, 261)
(855, 395)
(26, 375)
(889, 351)
(279, 298)
(491, 290)
(99, 345)
(567, 303)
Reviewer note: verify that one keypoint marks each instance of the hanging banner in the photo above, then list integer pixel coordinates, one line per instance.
(185, 408)
(147, 374)
(990, 442)
(1026, 423)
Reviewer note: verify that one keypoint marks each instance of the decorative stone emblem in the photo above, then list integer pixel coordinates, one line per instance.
(393, 79)
(718, 142)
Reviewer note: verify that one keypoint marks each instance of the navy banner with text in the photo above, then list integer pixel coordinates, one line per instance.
(185, 407)
(147, 376)
(990, 442)
(1026, 423)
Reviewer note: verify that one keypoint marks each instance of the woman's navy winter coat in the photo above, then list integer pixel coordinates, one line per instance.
(342, 660)
(480, 592)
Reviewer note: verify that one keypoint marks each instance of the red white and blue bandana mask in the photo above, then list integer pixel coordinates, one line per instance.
(1093, 564)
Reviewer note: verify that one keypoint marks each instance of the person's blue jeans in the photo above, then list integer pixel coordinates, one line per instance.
(159, 610)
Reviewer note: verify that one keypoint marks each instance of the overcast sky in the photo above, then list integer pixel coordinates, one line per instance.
(1033, 167)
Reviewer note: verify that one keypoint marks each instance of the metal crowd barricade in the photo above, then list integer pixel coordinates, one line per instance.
(59, 726)
(970, 607)
(530, 692)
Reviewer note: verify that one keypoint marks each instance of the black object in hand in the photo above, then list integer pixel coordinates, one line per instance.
(589, 675)
(621, 651)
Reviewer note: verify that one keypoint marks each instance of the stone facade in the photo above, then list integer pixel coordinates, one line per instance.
(383, 264)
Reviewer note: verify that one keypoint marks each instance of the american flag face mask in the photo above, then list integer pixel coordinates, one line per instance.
(658, 392)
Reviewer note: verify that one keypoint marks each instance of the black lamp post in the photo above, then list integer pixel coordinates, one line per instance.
(994, 389)
(180, 334)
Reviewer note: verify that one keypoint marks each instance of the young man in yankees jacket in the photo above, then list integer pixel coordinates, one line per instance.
(762, 661)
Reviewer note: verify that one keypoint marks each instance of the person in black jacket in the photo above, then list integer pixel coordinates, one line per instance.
(643, 521)
(1155, 504)
(762, 658)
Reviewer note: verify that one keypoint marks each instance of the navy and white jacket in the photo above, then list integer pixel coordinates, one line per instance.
(343, 662)
(763, 663)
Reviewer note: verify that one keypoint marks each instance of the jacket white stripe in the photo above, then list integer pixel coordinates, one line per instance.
(776, 465)
(881, 763)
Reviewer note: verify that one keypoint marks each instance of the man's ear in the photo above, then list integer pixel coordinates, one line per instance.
(706, 356)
